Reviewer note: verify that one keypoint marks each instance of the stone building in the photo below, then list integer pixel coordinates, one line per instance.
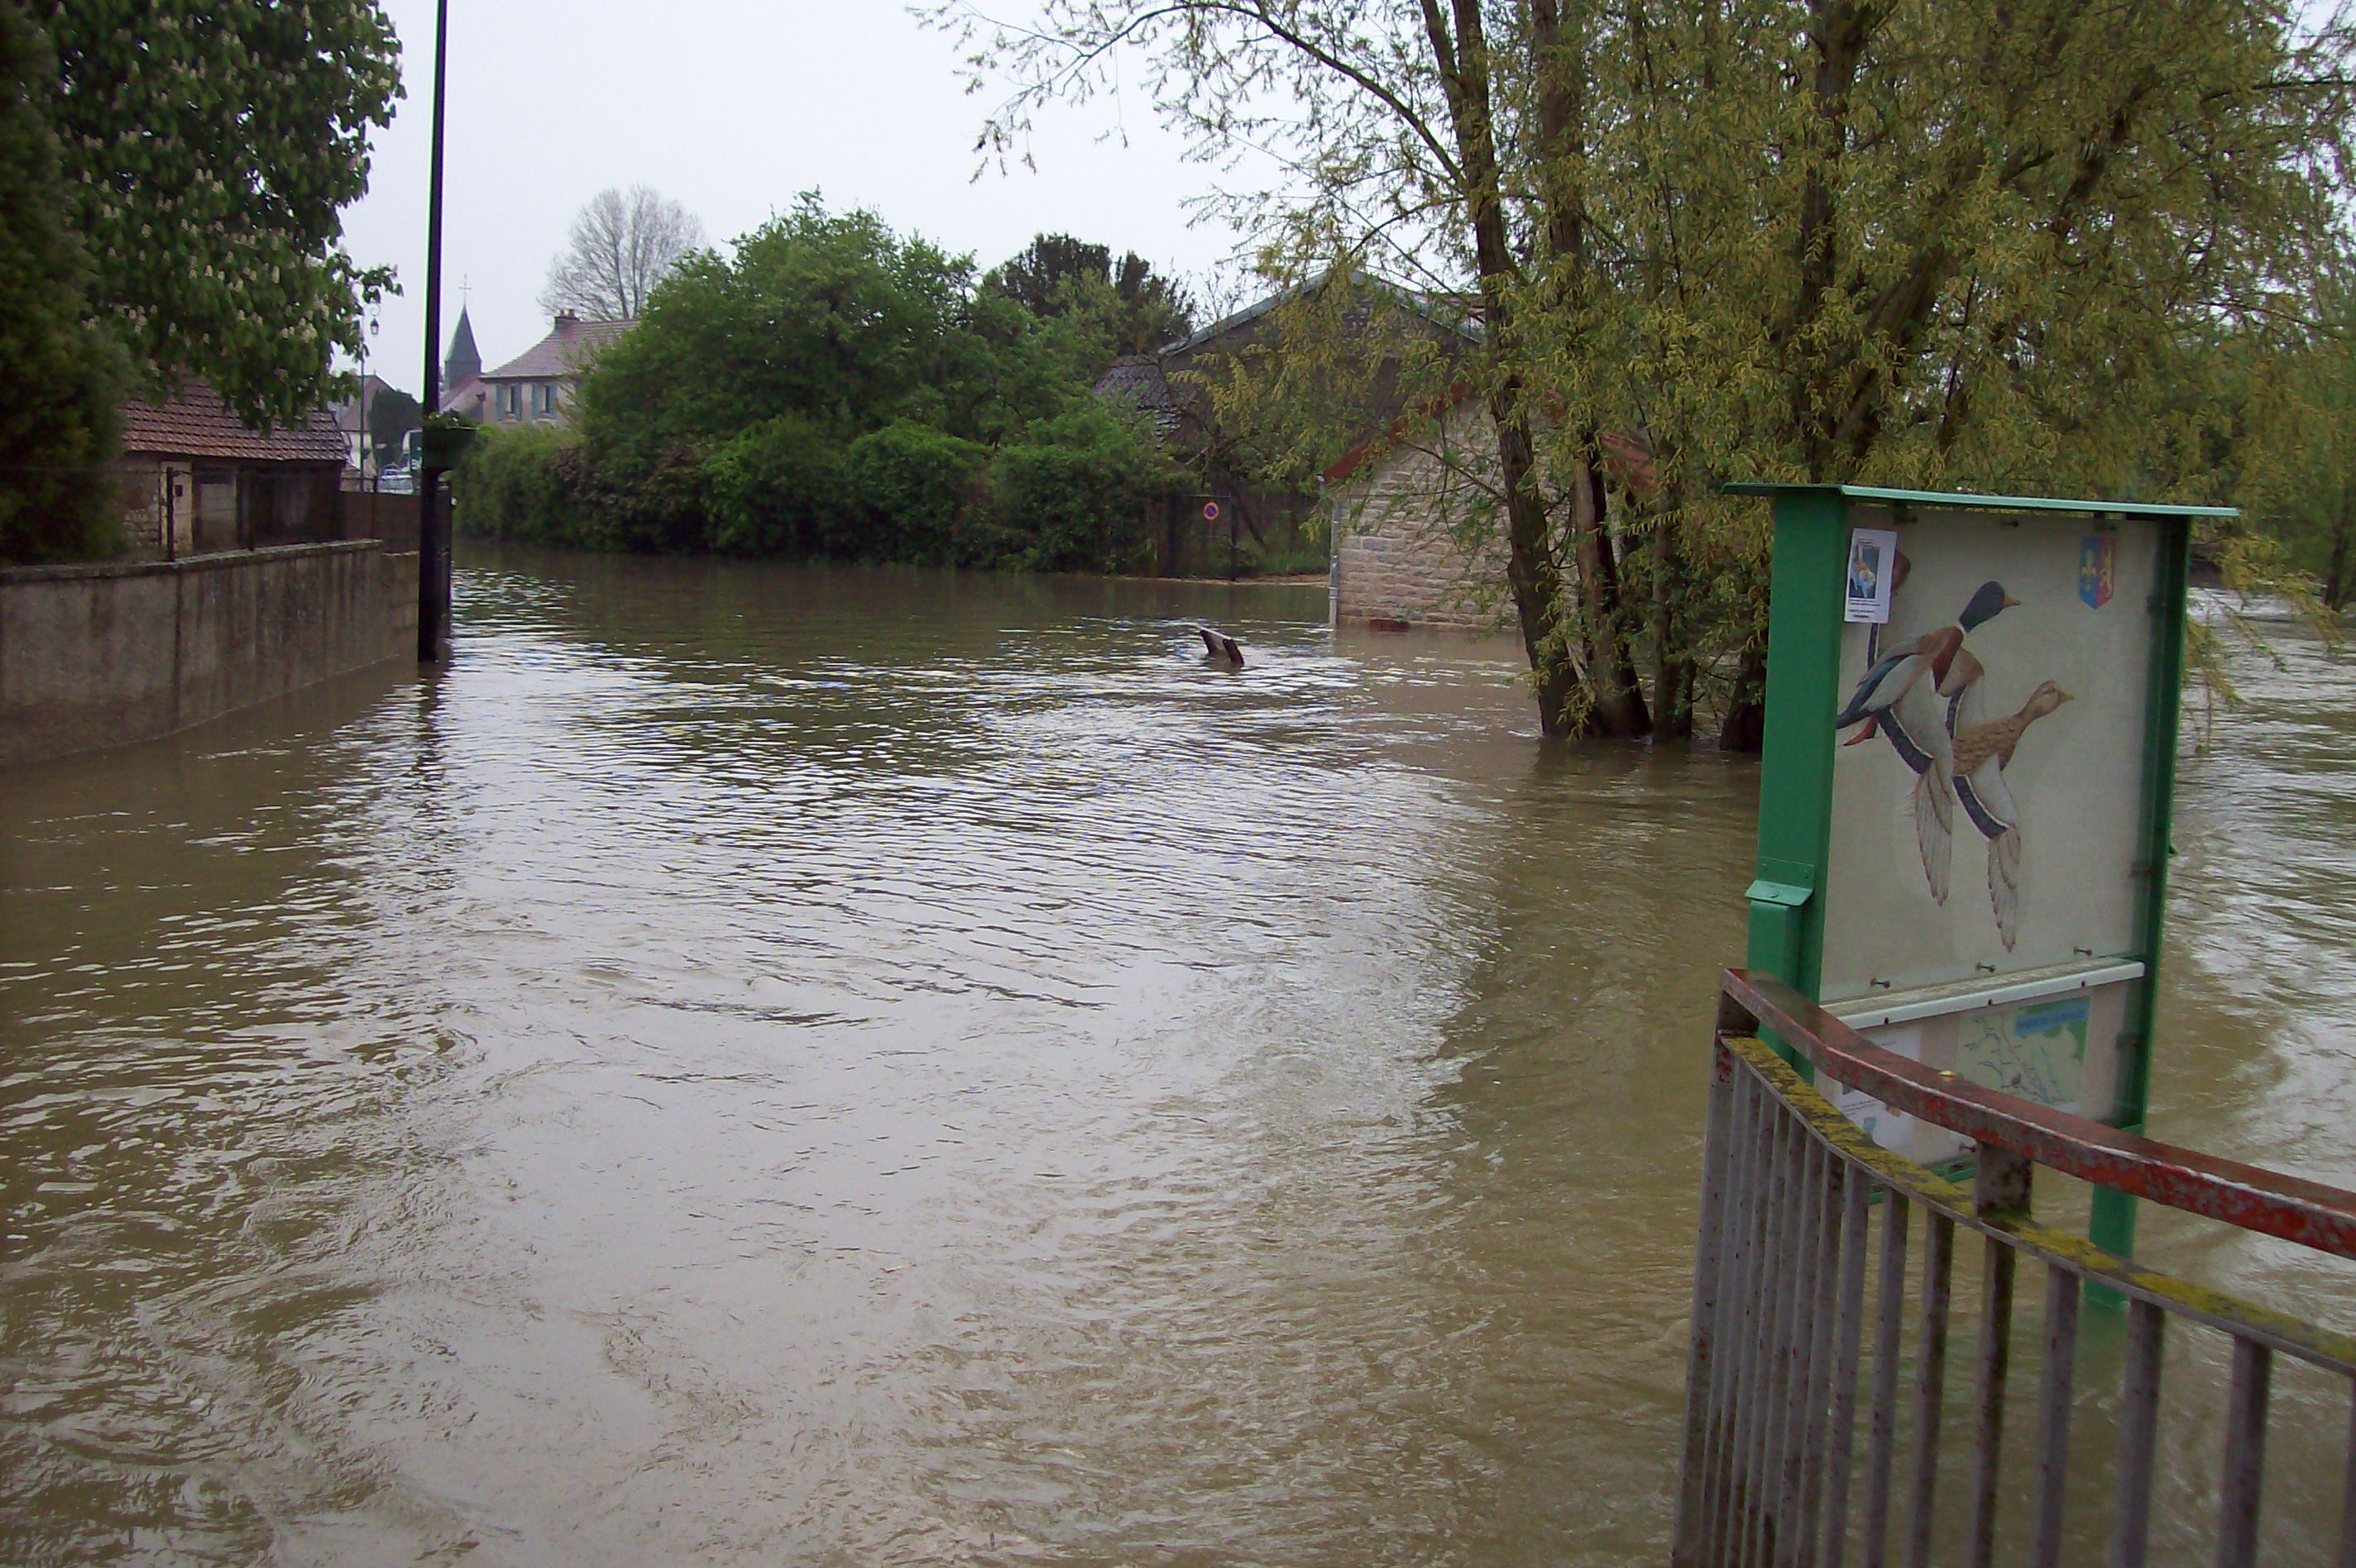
(1358, 321)
(1418, 538)
(535, 386)
(195, 478)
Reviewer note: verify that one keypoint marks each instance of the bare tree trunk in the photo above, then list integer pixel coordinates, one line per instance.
(1745, 728)
(1616, 697)
(1673, 668)
(1461, 56)
(1616, 702)
(2337, 589)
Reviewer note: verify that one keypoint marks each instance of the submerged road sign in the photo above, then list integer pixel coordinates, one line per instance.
(1970, 754)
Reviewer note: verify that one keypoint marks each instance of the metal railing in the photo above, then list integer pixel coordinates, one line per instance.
(1793, 1371)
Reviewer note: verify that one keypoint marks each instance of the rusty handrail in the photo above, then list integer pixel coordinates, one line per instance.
(2248, 1196)
(1794, 1449)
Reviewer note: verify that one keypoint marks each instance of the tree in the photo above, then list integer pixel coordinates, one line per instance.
(1907, 241)
(209, 148)
(833, 388)
(623, 244)
(1135, 311)
(56, 385)
(391, 414)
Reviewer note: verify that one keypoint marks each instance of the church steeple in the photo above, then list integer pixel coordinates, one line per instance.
(464, 361)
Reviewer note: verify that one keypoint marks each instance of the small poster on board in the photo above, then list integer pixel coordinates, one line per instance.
(1872, 571)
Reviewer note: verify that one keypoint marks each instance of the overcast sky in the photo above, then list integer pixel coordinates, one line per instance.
(733, 107)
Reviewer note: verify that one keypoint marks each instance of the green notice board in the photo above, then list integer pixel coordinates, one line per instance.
(1969, 766)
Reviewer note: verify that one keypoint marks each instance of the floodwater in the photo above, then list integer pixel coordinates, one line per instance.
(755, 1065)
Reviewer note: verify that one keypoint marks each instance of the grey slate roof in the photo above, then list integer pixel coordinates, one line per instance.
(570, 344)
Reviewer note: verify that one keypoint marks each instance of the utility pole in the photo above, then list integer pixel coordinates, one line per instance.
(433, 534)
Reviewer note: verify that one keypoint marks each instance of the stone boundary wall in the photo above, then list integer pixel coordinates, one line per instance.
(1398, 560)
(119, 651)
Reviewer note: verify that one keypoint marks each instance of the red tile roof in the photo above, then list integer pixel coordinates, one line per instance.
(196, 422)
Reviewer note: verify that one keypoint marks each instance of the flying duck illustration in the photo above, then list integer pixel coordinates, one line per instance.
(1221, 647)
(1981, 754)
(1900, 697)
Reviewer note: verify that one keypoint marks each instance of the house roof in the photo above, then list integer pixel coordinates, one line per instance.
(196, 422)
(1449, 312)
(468, 400)
(348, 409)
(568, 346)
(1140, 381)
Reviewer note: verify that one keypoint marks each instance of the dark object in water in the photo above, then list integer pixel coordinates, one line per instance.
(1221, 646)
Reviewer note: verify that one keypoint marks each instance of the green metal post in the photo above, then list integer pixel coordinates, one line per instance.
(2113, 1223)
(1795, 779)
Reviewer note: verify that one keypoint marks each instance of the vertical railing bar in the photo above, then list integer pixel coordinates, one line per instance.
(2138, 1434)
(1790, 1213)
(1776, 1264)
(1702, 1326)
(2062, 1293)
(1735, 1317)
(1929, 1385)
(2348, 1493)
(1889, 1323)
(1987, 1427)
(1799, 1329)
(1742, 1370)
(1857, 1239)
(2245, 1455)
(1823, 1343)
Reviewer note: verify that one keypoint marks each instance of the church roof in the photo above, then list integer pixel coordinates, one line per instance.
(464, 361)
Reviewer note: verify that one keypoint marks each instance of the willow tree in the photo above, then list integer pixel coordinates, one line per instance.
(1964, 244)
(1928, 241)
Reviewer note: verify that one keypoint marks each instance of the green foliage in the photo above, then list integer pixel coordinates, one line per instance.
(2039, 246)
(519, 482)
(922, 495)
(209, 147)
(1126, 308)
(1075, 491)
(834, 391)
(57, 389)
(391, 414)
(777, 489)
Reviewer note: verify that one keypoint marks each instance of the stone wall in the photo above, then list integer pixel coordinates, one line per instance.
(97, 655)
(1400, 528)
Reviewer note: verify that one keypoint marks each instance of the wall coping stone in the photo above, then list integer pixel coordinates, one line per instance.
(212, 561)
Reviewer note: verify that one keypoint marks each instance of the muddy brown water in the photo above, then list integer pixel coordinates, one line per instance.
(759, 1065)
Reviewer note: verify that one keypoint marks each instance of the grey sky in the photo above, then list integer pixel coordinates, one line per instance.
(733, 107)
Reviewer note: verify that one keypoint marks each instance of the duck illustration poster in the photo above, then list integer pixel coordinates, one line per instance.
(1988, 762)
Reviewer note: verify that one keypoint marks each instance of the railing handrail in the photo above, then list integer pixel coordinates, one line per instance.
(2251, 1197)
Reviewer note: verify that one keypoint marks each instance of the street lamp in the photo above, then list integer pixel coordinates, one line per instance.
(433, 538)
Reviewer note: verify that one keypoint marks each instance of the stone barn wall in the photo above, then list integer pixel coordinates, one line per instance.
(1402, 556)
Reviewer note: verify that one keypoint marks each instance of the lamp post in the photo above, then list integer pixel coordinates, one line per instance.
(433, 538)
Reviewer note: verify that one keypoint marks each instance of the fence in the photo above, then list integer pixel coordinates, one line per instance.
(1788, 1368)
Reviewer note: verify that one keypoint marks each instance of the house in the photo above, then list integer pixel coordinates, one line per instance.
(352, 418)
(1392, 337)
(196, 478)
(534, 387)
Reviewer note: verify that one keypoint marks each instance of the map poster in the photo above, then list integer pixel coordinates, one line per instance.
(2060, 1051)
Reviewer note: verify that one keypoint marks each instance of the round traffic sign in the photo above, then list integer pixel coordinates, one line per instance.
(1210, 511)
